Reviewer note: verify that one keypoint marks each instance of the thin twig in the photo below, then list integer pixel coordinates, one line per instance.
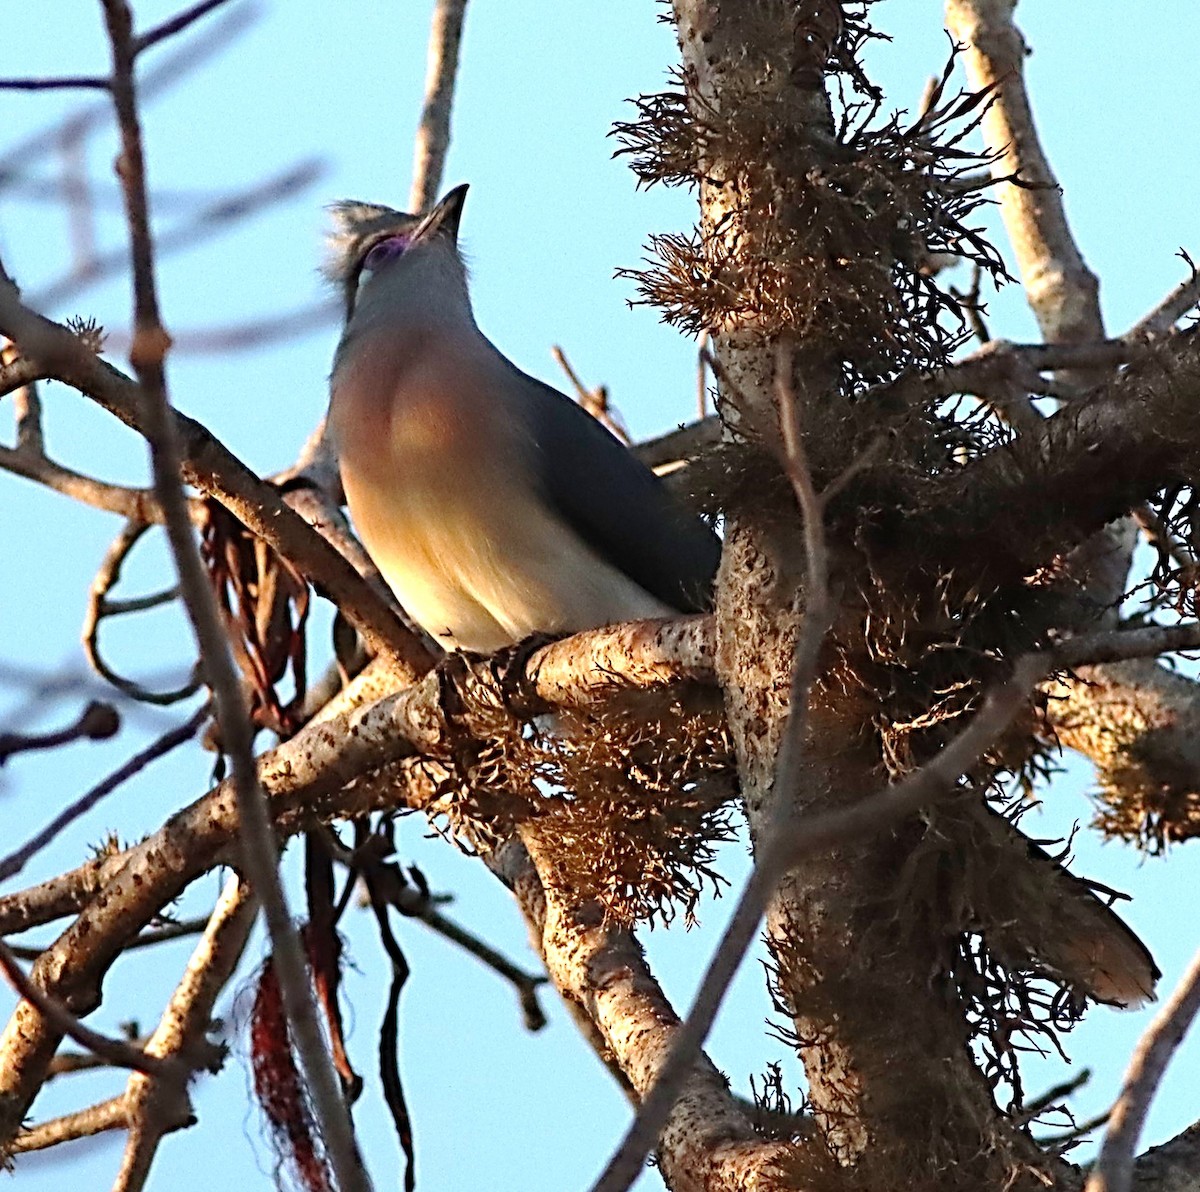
(1113, 1171)
(416, 905)
(97, 722)
(139, 503)
(1183, 298)
(1058, 1142)
(776, 841)
(77, 191)
(66, 1063)
(147, 939)
(99, 608)
(433, 131)
(259, 851)
(1053, 1095)
(15, 862)
(525, 984)
(65, 83)
(169, 71)
(582, 393)
(595, 401)
(116, 1051)
(174, 24)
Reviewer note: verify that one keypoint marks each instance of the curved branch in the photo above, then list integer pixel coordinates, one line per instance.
(215, 470)
(1113, 1170)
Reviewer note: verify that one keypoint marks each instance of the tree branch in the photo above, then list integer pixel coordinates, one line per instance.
(1113, 1170)
(258, 852)
(155, 1106)
(433, 131)
(112, 1114)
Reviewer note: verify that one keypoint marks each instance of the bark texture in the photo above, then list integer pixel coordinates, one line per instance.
(882, 1037)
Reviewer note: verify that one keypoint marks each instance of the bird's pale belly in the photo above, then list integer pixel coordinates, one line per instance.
(478, 564)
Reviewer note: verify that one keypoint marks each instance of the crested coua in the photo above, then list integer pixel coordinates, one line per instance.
(493, 506)
(497, 508)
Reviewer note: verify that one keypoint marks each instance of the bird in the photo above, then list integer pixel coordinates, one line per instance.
(497, 509)
(494, 506)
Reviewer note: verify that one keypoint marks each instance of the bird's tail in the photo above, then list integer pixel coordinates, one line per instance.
(1066, 929)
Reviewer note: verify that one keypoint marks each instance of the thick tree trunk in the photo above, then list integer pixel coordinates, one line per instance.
(880, 1031)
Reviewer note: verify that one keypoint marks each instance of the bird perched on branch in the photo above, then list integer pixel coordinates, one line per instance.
(493, 505)
(497, 508)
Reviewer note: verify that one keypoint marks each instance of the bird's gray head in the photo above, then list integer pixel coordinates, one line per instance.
(368, 239)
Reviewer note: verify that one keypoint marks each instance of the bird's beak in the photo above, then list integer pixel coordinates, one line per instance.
(444, 217)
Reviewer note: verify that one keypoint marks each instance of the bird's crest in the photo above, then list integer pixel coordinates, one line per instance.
(354, 223)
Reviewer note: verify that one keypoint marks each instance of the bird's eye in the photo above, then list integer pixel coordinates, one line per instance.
(383, 252)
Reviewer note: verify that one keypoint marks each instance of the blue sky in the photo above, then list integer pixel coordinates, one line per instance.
(549, 218)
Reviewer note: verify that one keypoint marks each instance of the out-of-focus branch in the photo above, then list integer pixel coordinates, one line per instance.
(258, 848)
(175, 24)
(247, 336)
(170, 70)
(782, 850)
(707, 1139)
(97, 722)
(433, 131)
(210, 221)
(771, 862)
(1113, 1170)
(115, 1051)
(16, 861)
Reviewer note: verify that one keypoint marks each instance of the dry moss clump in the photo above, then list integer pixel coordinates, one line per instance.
(636, 792)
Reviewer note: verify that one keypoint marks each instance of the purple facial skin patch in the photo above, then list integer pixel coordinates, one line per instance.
(383, 252)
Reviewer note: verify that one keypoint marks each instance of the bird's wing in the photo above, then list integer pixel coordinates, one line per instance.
(616, 504)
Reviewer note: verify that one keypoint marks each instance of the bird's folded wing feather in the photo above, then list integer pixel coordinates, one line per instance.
(617, 505)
